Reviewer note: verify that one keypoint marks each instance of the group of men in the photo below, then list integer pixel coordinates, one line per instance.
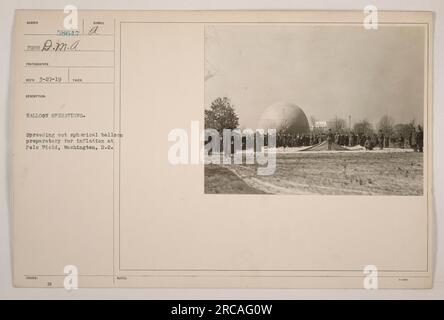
(289, 140)
(380, 140)
(369, 141)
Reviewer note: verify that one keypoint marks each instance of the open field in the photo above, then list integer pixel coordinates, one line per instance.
(333, 173)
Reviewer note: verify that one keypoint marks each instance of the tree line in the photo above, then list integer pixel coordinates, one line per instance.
(221, 115)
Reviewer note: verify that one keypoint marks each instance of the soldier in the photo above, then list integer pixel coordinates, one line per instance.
(362, 139)
(419, 139)
(402, 141)
(413, 139)
(381, 139)
(330, 137)
(368, 144)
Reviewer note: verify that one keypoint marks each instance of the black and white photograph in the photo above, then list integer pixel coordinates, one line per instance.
(347, 105)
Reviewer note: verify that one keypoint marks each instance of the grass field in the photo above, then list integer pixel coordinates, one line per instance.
(340, 173)
(221, 180)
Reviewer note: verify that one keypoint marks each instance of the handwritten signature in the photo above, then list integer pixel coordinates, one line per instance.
(58, 46)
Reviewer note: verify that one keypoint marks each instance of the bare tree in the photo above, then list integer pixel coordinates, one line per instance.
(338, 125)
(403, 130)
(363, 127)
(386, 125)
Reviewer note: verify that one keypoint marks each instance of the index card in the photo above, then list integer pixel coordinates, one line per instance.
(278, 149)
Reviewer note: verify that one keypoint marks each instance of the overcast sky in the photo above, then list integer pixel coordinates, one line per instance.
(328, 71)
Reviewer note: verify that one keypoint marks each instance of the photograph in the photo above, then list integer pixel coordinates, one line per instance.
(340, 109)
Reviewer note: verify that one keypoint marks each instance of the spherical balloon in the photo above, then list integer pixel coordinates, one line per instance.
(284, 117)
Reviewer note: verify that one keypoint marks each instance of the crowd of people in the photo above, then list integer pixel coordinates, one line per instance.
(352, 139)
(415, 140)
